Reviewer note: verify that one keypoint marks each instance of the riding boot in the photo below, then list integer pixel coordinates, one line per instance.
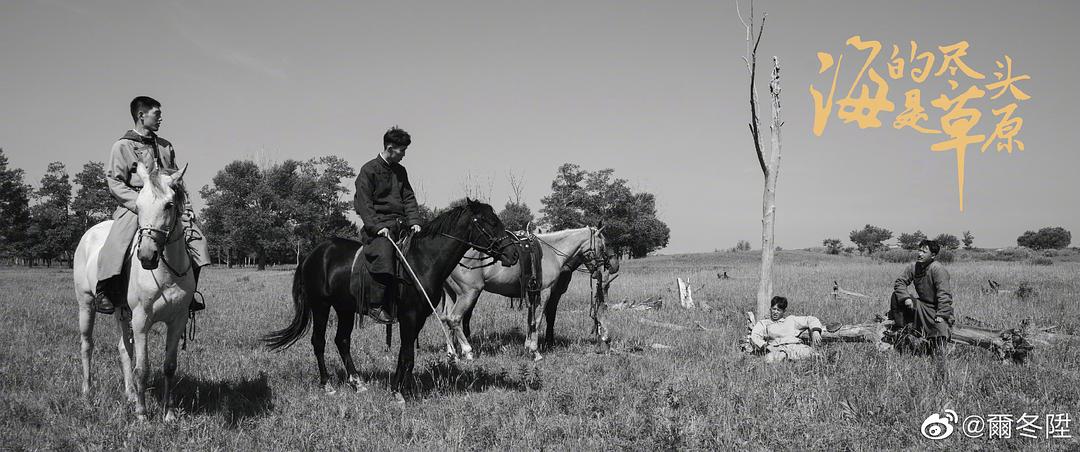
(381, 299)
(196, 305)
(102, 302)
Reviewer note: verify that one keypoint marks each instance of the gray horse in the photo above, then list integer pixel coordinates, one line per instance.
(563, 253)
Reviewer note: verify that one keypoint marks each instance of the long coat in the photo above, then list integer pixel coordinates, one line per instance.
(124, 185)
(384, 199)
(932, 298)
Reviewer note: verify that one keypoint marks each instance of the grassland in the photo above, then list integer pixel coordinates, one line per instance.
(700, 393)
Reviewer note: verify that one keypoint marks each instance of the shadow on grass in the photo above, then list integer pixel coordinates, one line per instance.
(235, 400)
(513, 341)
(450, 378)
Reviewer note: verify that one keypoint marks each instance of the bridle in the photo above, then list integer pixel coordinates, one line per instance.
(163, 238)
(494, 248)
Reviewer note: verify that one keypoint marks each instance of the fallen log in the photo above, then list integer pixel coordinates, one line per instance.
(1012, 344)
(670, 326)
(837, 292)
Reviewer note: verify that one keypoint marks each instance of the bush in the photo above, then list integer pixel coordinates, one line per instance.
(946, 257)
(1014, 254)
(1041, 260)
(897, 256)
(1046, 238)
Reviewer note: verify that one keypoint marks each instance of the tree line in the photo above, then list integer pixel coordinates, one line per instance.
(273, 214)
(870, 239)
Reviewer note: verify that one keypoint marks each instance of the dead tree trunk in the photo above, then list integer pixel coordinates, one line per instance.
(770, 166)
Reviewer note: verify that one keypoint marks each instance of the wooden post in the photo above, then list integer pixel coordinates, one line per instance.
(686, 296)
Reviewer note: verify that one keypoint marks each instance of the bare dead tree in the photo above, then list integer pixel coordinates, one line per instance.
(475, 188)
(770, 163)
(517, 187)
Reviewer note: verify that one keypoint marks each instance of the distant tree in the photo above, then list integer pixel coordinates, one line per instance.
(426, 213)
(1045, 238)
(52, 229)
(244, 213)
(93, 203)
(969, 239)
(516, 217)
(14, 211)
(580, 198)
(742, 245)
(833, 246)
(869, 238)
(911, 241)
(948, 241)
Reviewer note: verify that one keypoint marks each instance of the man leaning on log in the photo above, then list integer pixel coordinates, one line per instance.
(922, 321)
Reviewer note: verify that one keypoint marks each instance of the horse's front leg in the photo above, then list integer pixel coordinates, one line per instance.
(126, 350)
(140, 325)
(172, 344)
(456, 319)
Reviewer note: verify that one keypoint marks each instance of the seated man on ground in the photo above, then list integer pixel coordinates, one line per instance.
(779, 334)
(928, 311)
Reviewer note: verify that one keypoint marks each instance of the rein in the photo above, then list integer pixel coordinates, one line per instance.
(494, 250)
(592, 261)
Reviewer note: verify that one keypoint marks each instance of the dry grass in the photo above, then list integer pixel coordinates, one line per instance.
(699, 394)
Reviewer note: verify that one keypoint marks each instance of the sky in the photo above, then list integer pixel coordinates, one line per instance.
(657, 91)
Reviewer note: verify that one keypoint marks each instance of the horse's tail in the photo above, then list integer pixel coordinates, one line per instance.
(301, 318)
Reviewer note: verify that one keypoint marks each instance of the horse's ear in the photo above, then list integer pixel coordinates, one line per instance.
(177, 176)
(143, 173)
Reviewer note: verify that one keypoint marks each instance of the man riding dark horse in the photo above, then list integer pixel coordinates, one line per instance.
(387, 205)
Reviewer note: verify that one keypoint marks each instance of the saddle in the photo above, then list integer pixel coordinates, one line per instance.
(530, 258)
(361, 280)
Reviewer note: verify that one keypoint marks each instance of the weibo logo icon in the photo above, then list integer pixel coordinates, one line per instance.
(937, 426)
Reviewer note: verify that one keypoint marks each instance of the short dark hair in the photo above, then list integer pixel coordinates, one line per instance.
(142, 104)
(396, 137)
(932, 244)
(779, 301)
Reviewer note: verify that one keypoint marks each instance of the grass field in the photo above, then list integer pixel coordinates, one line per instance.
(699, 394)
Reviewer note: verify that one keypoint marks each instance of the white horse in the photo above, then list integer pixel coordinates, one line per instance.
(563, 252)
(155, 293)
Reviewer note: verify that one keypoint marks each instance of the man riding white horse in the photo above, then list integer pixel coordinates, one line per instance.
(140, 145)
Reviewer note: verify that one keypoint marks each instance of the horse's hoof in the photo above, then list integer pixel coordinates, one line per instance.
(537, 356)
(141, 417)
(328, 389)
(356, 384)
(469, 356)
(170, 416)
(132, 397)
(398, 398)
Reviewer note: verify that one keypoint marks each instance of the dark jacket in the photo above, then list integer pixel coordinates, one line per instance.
(384, 198)
(932, 286)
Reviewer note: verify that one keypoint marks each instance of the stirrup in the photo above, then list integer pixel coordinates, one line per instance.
(197, 305)
(381, 316)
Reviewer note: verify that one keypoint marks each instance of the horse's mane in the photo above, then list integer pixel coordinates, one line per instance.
(179, 193)
(445, 221)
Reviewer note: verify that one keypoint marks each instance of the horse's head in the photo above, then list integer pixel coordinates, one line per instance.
(159, 205)
(488, 235)
(597, 254)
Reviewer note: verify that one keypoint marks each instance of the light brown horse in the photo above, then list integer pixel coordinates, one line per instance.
(563, 253)
(156, 293)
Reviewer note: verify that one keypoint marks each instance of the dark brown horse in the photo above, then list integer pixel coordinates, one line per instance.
(322, 281)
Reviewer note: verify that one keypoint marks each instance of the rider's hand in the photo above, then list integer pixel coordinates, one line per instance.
(908, 303)
(415, 228)
(938, 319)
(815, 338)
(188, 215)
(384, 232)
